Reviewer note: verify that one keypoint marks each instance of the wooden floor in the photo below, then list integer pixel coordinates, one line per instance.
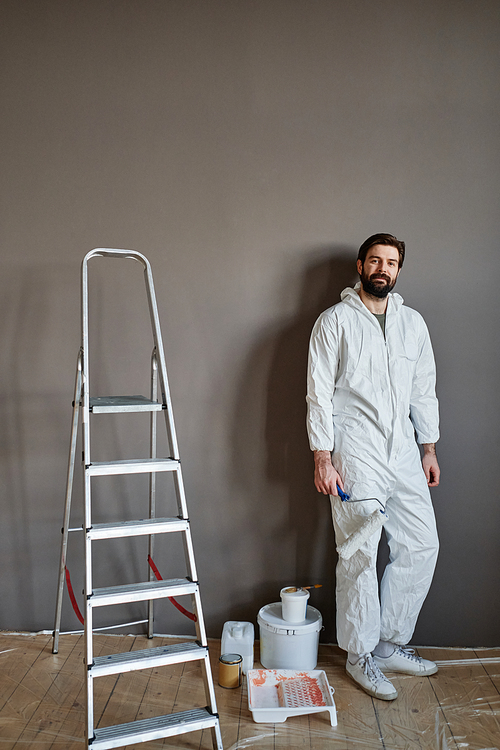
(42, 702)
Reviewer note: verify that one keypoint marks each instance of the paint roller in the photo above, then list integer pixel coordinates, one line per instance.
(372, 523)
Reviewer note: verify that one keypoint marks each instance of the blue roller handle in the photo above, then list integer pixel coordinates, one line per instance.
(343, 495)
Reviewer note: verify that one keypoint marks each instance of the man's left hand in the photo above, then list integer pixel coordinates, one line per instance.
(430, 465)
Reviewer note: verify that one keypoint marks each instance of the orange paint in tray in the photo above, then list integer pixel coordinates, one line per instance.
(276, 694)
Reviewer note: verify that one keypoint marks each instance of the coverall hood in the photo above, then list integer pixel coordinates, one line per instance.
(351, 296)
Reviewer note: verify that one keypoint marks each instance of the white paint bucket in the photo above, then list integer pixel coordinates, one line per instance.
(285, 645)
(294, 602)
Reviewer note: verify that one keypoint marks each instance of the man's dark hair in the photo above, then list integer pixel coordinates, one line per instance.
(382, 239)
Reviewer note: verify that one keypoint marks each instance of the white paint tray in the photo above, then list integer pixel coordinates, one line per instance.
(276, 694)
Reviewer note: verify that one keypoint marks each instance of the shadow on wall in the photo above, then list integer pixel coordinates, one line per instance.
(33, 435)
(301, 548)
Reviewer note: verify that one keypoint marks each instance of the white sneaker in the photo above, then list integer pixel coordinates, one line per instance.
(405, 660)
(368, 676)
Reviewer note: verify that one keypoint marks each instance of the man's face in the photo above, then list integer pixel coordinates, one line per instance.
(380, 270)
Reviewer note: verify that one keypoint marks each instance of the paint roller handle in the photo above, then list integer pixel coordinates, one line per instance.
(343, 495)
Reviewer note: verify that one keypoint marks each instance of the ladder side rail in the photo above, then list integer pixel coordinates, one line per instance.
(88, 614)
(190, 561)
(86, 428)
(87, 511)
(152, 481)
(180, 493)
(208, 682)
(200, 622)
(206, 667)
(186, 537)
(217, 737)
(189, 556)
(162, 367)
(85, 355)
(67, 505)
(87, 592)
(89, 680)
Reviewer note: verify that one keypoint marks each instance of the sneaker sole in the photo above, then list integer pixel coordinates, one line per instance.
(373, 693)
(425, 673)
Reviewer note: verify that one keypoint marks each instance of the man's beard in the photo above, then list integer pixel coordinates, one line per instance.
(377, 288)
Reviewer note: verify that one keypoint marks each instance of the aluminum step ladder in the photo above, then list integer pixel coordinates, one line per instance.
(86, 407)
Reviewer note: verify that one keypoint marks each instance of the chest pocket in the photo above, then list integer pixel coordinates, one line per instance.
(410, 347)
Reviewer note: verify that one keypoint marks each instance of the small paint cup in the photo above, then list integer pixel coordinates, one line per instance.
(293, 604)
(230, 670)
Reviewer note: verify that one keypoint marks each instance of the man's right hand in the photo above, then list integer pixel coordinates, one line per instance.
(325, 476)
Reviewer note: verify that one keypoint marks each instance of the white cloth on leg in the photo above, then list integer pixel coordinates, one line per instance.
(362, 617)
(413, 543)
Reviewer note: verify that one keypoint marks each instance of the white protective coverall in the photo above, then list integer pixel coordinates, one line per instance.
(367, 398)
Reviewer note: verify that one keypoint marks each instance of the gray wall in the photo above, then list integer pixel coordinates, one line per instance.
(247, 149)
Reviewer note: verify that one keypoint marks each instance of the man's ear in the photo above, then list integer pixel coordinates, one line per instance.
(359, 266)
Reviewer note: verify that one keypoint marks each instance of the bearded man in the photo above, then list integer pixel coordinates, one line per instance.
(371, 399)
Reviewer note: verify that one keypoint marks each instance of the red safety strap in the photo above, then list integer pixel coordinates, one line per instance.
(171, 598)
(72, 596)
(158, 577)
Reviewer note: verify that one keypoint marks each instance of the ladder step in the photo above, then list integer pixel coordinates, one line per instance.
(114, 404)
(147, 658)
(140, 592)
(132, 466)
(146, 730)
(137, 528)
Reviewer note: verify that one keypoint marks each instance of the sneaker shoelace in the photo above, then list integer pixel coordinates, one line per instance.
(408, 653)
(371, 670)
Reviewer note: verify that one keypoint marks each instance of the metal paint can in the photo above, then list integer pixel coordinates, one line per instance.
(230, 670)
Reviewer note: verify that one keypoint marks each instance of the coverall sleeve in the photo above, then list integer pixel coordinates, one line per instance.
(321, 374)
(424, 411)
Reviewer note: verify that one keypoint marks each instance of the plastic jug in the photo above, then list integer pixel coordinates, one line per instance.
(238, 638)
